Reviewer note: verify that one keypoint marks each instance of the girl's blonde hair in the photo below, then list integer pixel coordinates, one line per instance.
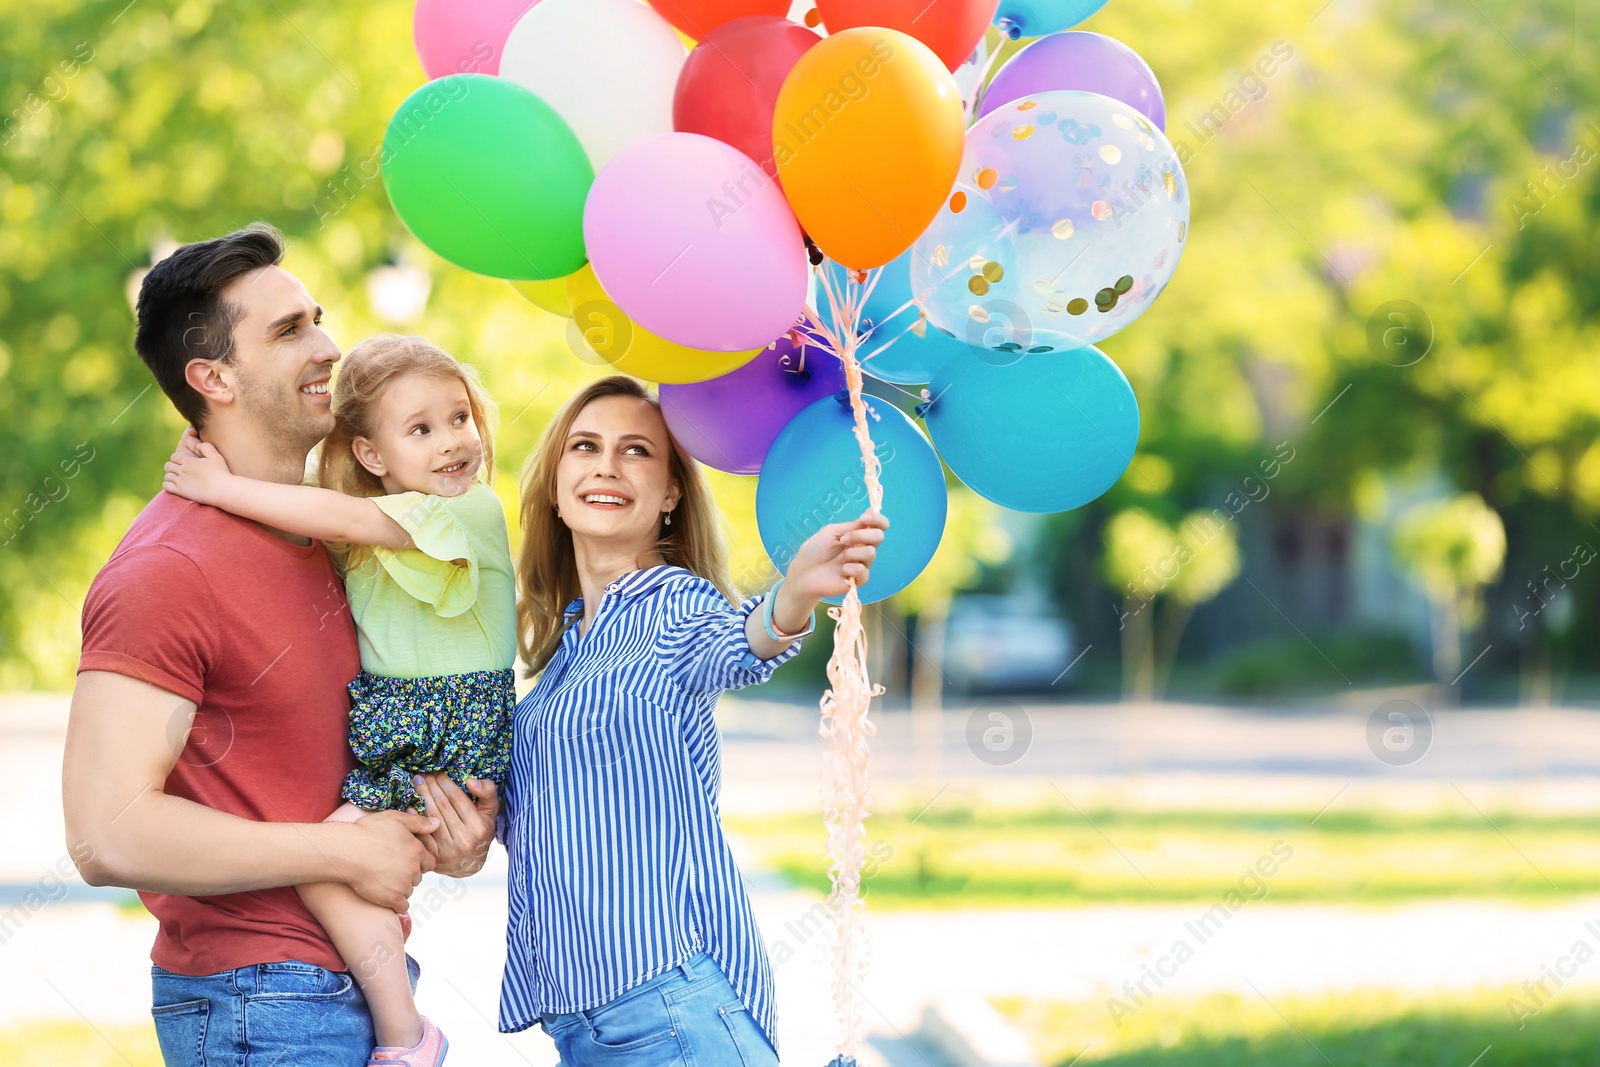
(548, 571)
(364, 373)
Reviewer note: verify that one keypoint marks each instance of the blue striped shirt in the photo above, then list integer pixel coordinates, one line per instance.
(619, 866)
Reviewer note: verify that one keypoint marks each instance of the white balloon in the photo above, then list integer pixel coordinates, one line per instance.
(609, 67)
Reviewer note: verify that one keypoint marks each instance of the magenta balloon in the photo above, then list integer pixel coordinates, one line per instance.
(730, 422)
(1088, 62)
(464, 36)
(695, 243)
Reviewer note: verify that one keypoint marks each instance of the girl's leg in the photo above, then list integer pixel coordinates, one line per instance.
(369, 938)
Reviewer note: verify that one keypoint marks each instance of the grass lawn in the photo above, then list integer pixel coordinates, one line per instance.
(1371, 1029)
(1054, 857)
(78, 1045)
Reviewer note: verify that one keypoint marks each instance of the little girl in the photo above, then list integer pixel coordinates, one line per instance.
(421, 541)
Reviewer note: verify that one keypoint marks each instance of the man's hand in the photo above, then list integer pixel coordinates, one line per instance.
(390, 857)
(461, 843)
(196, 471)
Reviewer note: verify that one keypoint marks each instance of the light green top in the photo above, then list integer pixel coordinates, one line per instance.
(447, 606)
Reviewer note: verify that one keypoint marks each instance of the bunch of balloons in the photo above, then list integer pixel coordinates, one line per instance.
(753, 211)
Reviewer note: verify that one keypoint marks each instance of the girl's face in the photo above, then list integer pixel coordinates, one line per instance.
(613, 483)
(424, 440)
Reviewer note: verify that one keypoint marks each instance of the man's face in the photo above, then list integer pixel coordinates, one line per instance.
(282, 359)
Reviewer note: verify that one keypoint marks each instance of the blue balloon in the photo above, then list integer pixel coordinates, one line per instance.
(910, 358)
(812, 477)
(1035, 18)
(1047, 431)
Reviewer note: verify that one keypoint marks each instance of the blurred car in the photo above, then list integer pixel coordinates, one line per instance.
(1006, 644)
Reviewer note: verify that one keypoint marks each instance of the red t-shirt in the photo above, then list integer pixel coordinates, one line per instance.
(256, 631)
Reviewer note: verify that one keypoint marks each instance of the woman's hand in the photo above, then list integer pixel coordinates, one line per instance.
(461, 843)
(196, 470)
(827, 564)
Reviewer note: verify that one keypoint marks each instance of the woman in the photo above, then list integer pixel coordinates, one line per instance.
(631, 938)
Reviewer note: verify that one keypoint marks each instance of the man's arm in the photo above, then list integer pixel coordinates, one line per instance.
(123, 738)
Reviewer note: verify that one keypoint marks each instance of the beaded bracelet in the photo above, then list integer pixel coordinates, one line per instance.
(773, 632)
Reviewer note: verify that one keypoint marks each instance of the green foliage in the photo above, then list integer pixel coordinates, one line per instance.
(1370, 1027)
(1451, 546)
(1293, 664)
(1421, 150)
(972, 540)
(990, 855)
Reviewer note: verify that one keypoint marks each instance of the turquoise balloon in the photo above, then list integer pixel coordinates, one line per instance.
(1044, 432)
(1035, 18)
(910, 358)
(812, 477)
(489, 176)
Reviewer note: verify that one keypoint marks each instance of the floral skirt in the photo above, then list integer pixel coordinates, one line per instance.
(459, 724)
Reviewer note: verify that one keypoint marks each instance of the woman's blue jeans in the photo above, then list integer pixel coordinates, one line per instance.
(689, 1015)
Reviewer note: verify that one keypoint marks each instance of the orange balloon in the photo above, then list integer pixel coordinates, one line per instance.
(867, 137)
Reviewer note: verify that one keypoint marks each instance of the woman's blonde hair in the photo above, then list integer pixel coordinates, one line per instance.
(548, 571)
(364, 373)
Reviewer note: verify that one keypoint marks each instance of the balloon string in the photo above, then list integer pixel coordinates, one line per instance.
(844, 708)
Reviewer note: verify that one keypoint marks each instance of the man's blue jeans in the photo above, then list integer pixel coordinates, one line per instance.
(265, 1015)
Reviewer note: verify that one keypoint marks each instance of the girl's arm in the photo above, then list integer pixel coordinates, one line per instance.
(198, 472)
(826, 565)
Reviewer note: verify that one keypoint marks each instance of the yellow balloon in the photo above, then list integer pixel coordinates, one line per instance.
(606, 332)
(550, 295)
(867, 137)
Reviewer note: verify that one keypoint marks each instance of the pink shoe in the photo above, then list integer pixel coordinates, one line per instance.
(429, 1052)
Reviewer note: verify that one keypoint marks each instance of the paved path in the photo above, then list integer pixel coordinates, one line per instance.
(81, 956)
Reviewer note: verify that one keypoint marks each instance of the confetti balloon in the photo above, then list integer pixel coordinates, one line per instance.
(1066, 222)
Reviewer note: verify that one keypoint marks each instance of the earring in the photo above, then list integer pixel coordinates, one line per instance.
(669, 518)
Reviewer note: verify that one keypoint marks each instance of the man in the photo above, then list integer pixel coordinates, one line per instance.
(207, 737)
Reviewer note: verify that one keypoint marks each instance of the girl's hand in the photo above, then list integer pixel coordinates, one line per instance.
(833, 558)
(196, 470)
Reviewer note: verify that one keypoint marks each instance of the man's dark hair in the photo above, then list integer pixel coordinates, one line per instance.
(182, 315)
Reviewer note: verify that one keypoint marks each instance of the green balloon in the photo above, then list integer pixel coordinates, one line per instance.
(489, 176)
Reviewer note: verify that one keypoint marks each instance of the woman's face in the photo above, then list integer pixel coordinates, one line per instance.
(613, 484)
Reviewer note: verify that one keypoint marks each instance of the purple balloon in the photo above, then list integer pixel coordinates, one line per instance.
(730, 422)
(1089, 62)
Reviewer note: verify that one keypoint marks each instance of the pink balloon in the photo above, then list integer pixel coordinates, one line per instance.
(696, 243)
(464, 36)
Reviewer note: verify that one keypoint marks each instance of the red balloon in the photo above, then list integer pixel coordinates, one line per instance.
(699, 17)
(729, 85)
(952, 28)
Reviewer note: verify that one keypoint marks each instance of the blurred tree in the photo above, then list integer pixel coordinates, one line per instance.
(1453, 548)
(1150, 561)
(972, 540)
(1341, 158)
